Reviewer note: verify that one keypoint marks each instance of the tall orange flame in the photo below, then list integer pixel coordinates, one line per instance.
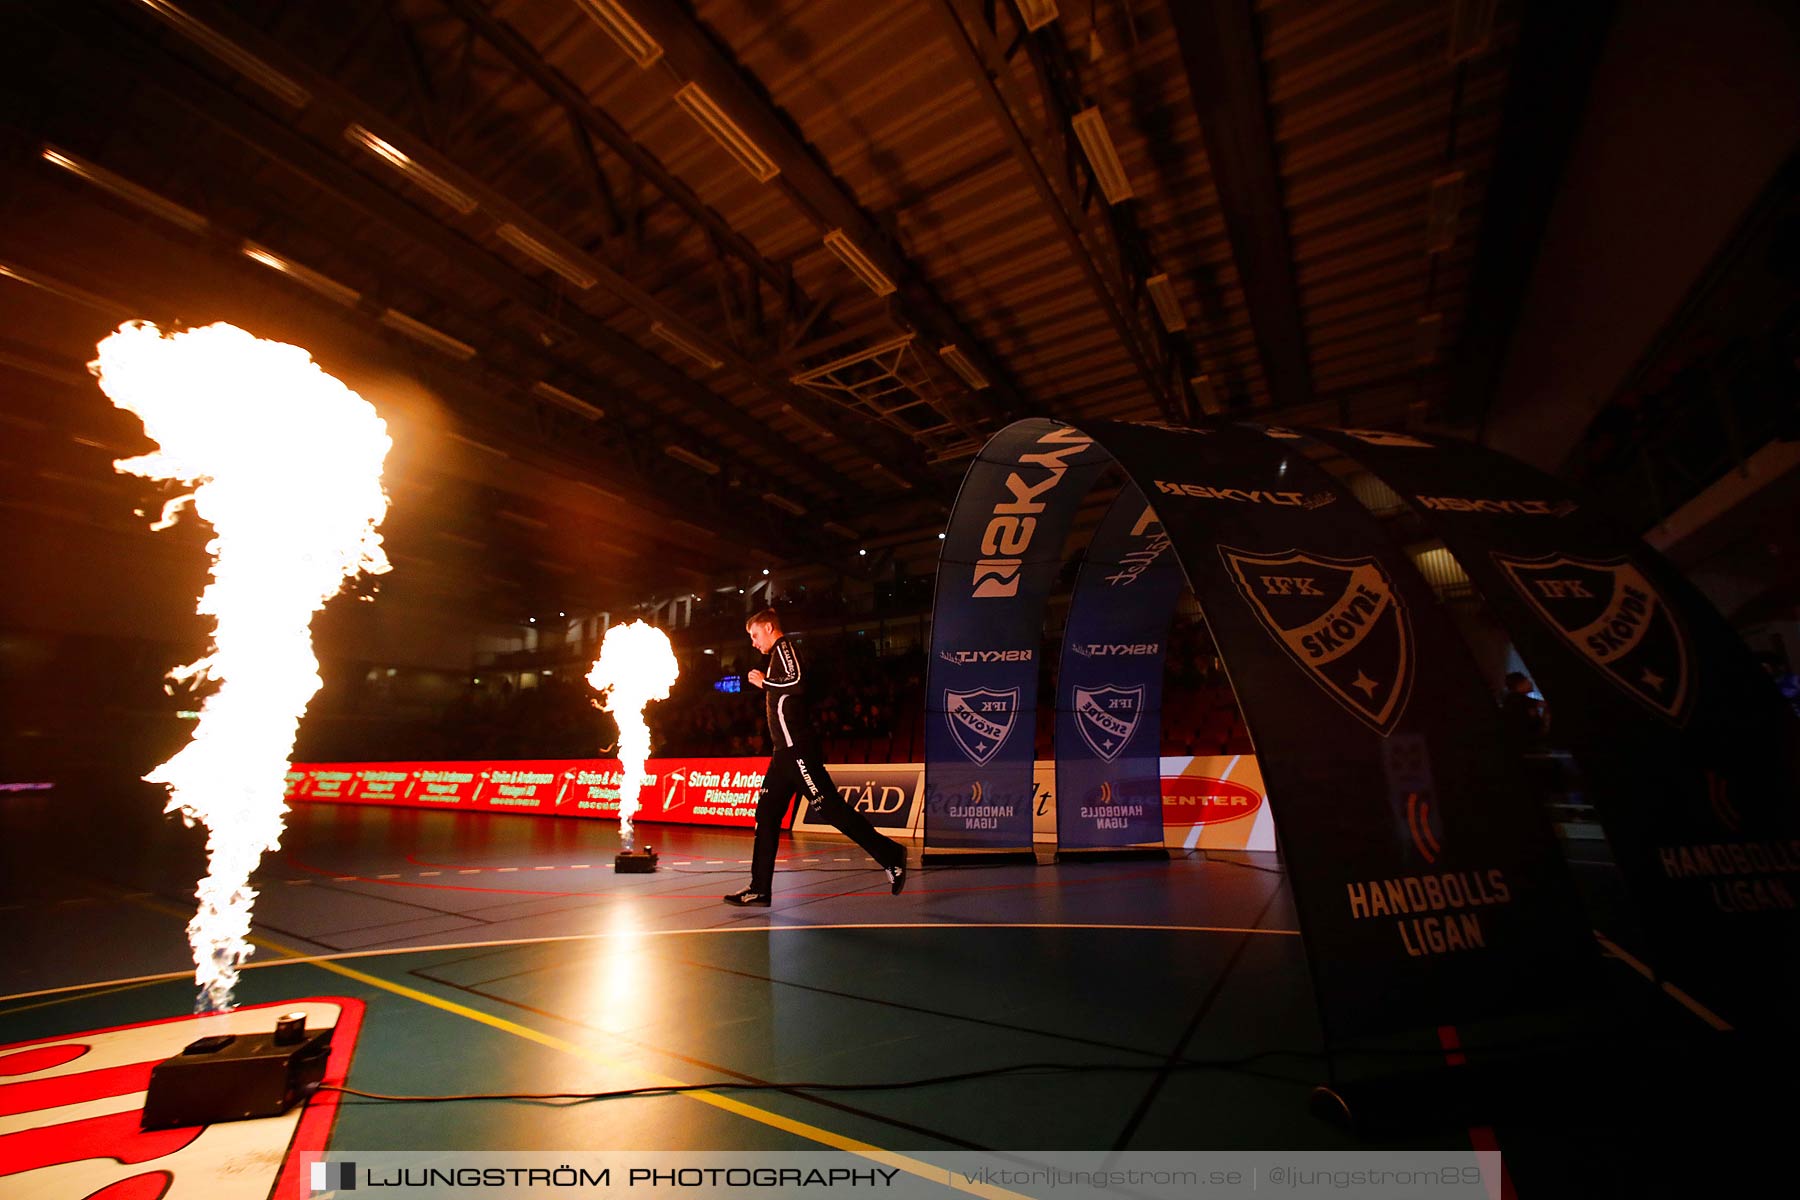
(636, 665)
(285, 463)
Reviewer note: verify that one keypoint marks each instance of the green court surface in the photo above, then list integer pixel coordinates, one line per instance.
(503, 955)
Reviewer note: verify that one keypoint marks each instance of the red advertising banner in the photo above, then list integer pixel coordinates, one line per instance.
(682, 791)
(1208, 803)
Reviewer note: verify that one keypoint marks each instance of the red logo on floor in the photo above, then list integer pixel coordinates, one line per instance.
(70, 1107)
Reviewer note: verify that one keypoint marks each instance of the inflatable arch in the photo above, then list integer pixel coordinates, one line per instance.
(1429, 884)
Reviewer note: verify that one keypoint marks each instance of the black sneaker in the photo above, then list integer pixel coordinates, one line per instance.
(749, 899)
(897, 878)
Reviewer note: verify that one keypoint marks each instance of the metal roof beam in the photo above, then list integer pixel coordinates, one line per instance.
(331, 105)
(779, 536)
(525, 57)
(985, 62)
(1223, 61)
(218, 105)
(698, 56)
(268, 136)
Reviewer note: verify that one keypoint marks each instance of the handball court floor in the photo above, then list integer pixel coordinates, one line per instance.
(497, 953)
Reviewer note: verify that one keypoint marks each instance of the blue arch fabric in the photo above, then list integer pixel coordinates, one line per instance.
(1001, 555)
(1428, 884)
(1109, 683)
(1690, 754)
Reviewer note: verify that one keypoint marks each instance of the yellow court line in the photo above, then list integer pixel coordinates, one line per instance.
(911, 1166)
(299, 959)
(120, 985)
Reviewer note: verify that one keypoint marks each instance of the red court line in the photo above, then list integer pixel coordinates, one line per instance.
(990, 887)
(442, 887)
(1481, 1137)
(426, 862)
(603, 894)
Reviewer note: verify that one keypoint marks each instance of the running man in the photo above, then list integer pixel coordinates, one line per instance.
(798, 767)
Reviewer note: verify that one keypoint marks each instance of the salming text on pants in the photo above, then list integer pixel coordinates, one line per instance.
(795, 771)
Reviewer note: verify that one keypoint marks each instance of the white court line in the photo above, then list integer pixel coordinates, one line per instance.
(390, 951)
(1686, 1001)
(1193, 837)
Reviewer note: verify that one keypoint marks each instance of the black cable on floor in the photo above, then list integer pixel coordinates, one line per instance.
(1231, 862)
(1242, 1065)
(1037, 1068)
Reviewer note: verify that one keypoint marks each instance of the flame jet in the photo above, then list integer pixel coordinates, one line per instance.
(285, 464)
(636, 665)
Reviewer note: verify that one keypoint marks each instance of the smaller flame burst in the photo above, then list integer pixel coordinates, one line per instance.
(636, 665)
(285, 465)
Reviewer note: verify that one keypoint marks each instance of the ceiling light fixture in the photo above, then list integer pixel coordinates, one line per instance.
(600, 491)
(704, 109)
(126, 190)
(1102, 156)
(1206, 395)
(1037, 13)
(421, 332)
(839, 243)
(425, 180)
(1168, 306)
(890, 476)
(544, 256)
(959, 362)
(784, 504)
(689, 348)
(555, 395)
(1471, 25)
(639, 46)
(58, 287)
(469, 441)
(230, 53)
(679, 454)
(1426, 333)
(1442, 210)
(816, 426)
(326, 286)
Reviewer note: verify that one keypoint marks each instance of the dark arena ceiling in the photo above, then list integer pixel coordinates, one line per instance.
(655, 293)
